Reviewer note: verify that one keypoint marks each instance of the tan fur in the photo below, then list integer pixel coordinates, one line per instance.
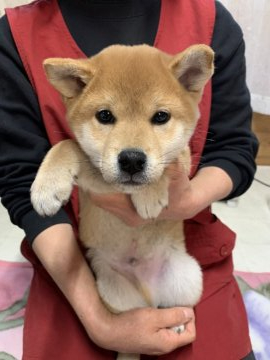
(146, 265)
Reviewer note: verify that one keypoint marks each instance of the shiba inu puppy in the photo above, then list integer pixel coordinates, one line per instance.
(132, 111)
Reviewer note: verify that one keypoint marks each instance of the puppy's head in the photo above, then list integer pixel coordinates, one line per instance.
(132, 109)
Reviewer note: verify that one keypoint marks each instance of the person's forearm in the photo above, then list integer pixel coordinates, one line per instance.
(58, 250)
(211, 184)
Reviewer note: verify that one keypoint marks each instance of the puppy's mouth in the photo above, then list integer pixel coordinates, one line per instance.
(132, 180)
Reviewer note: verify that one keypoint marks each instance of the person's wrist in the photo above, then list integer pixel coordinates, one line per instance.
(209, 184)
(189, 204)
(98, 322)
(195, 201)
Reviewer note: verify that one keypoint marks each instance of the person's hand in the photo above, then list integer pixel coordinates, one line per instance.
(146, 331)
(183, 195)
(182, 200)
(186, 197)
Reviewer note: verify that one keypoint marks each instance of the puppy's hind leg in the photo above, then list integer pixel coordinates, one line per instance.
(115, 289)
(181, 281)
(122, 356)
(118, 293)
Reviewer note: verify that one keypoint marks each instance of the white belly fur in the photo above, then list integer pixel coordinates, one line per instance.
(135, 267)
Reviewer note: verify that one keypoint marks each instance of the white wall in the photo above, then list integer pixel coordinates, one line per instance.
(10, 3)
(254, 18)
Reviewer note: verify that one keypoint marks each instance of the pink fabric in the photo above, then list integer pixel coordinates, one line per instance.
(254, 279)
(15, 279)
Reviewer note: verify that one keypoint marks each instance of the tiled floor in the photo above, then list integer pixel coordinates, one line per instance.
(10, 238)
(248, 216)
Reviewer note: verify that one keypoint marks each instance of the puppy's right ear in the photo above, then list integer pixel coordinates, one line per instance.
(68, 76)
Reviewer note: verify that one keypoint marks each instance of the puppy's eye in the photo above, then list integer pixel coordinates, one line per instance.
(105, 117)
(160, 118)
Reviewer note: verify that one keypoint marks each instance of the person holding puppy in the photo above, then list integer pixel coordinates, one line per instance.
(71, 322)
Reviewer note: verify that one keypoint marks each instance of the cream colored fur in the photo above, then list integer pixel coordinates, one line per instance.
(134, 266)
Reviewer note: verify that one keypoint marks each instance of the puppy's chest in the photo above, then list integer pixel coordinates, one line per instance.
(101, 230)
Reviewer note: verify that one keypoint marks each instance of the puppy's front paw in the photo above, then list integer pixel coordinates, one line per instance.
(149, 202)
(49, 193)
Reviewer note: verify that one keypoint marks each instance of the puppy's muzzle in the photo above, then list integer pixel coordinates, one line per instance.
(132, 165)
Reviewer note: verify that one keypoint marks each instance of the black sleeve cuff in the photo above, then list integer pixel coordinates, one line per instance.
(33, 224)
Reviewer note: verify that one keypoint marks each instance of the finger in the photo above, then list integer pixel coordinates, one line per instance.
(190, 326)
(121, 206)
(185, 337)
(115, 200)
(170, 340)
(108, 198)
(175, 171)
(169, 318)
(189, 333)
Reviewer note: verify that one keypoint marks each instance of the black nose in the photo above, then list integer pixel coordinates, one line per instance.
(132, 161)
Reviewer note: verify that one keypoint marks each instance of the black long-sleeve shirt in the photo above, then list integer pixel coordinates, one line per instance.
(94, 24)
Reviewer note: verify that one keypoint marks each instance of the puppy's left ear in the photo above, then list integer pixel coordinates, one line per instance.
(193, 67)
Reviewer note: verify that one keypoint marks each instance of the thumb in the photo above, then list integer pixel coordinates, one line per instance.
(176, 171)
(175, 316)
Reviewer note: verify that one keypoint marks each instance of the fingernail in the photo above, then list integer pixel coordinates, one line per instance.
(188, 314)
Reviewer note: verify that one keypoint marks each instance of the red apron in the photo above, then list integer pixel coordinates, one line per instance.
(52, 330)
